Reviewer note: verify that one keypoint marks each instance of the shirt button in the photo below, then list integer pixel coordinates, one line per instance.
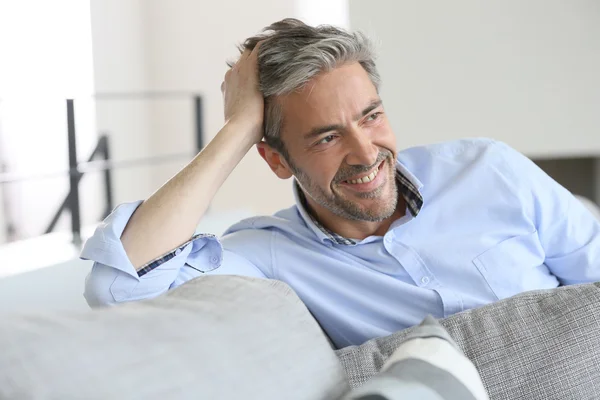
(388, 239)
(214, 259)
(177, 252)
(425, 280)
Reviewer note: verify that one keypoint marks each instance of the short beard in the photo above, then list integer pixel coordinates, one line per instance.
(346, 208)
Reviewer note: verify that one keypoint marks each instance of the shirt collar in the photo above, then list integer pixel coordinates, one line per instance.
(408, 185)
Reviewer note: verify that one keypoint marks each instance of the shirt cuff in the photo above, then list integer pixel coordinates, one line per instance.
(202, 261)
(105, 247)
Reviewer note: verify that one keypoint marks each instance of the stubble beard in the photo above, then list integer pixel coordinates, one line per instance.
(345, 207)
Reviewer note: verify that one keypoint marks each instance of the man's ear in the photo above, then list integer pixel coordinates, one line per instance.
(276, 162)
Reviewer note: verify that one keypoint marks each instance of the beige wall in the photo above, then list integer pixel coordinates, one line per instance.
(523, 71)
(189, 44)
(119, 50)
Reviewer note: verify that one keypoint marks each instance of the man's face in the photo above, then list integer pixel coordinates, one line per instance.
(335, 131)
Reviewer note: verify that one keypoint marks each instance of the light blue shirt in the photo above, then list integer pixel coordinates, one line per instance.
(492, 225)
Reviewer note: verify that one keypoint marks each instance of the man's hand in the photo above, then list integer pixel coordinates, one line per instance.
(244, 103)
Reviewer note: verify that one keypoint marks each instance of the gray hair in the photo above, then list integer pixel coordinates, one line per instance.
(292, 53)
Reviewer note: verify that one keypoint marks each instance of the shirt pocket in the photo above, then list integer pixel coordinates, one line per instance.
(511, 266)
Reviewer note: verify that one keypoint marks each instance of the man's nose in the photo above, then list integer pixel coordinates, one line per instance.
(361, 150)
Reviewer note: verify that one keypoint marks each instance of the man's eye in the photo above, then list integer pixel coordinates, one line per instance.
(374, 116)
(326, 139)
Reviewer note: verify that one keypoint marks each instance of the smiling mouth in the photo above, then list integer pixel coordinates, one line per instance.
(365, 178)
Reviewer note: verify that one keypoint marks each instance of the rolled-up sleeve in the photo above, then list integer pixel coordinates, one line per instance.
(113, 279)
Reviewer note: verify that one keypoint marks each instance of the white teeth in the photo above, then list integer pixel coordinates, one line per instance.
(365, 179)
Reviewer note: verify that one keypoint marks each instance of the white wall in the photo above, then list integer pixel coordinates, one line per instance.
(2, 219)
(45, 57)
(597, 174)
(523, 71)
(120, 45)
(328, 12)
(2, 204)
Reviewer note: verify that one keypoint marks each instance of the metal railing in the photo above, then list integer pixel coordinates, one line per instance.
(100, 160)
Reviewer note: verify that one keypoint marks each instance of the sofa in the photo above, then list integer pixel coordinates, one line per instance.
(231, 337)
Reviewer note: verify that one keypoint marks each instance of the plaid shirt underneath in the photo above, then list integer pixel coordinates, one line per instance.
(410, 193)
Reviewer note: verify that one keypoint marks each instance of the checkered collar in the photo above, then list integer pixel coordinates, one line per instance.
(408, 185)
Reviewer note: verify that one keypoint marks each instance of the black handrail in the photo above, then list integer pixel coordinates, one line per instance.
(93, 166)
(75, 176)
(102, 149)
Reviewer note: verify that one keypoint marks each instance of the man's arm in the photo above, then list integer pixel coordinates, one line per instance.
(113, 279)
(145, 248)
(572, 242)
(568, 232)
(169, 217)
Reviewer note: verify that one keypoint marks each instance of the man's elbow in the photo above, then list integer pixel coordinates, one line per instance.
(98, 284)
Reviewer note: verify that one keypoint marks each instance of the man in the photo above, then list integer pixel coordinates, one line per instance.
(377, 239)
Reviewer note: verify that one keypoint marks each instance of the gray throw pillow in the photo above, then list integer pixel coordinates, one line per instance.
(538, 345)
(216, 337)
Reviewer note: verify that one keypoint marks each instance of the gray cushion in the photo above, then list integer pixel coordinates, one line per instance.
(216, 337)
(538, 345)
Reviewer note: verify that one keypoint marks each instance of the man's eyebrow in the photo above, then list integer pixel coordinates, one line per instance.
(324, 129)
(373, 105)
(321, 130)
